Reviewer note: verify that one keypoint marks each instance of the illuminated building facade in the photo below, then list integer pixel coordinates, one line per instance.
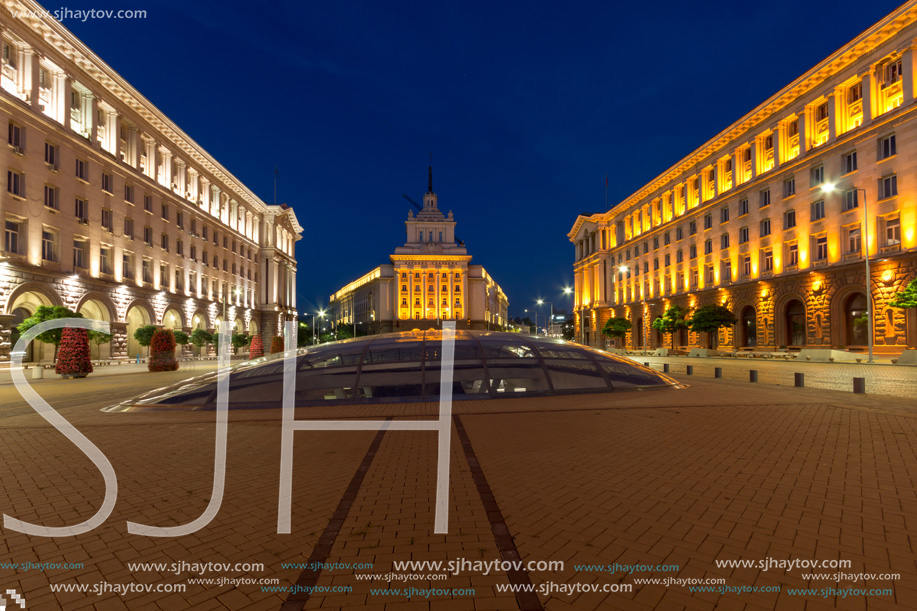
(430, 279)
(113, 211)
(769, 216)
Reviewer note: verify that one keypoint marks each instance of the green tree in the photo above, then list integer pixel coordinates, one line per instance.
(906, 298)
(671, 321)
(200, 338)
(144, 335)
(303, 334)
(44, 314)
(616, 327)
(240, 340)
(181, 338)
(711, 319)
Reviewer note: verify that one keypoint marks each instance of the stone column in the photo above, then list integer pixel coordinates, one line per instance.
(118, 341)
(754, 159)
(907, 76)
(803, 125)
(868, 96)
(833, 108)
(780, 140)
(6, 321)
(64, 87)
(34, 65)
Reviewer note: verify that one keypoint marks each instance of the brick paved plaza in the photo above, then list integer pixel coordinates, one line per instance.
(722, 470)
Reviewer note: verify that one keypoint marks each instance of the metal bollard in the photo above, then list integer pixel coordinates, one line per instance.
(859, 386)
(752, 375)
(665, 368)
(690, 370)
(800, 380)
(717, 372)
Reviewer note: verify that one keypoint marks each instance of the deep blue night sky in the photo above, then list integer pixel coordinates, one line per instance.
(525, 107)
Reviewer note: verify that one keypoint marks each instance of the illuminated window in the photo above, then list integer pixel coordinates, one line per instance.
(15, 183)
(105, 257)
(888, 186)
(727, 270)
(768, 263)
(892, 232)
(854, 243)
(821, 248)
(855, 93)
(821, 112)
(892, 73)
(709, 275)
(694, 276)
(792, 255)
(746, 266)
(12, 238)
(127, 266)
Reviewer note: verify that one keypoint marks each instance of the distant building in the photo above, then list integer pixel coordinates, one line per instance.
(111, 210)
(430, 279)
(774, 216)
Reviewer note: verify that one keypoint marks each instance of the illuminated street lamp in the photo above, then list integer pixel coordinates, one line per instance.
(536, 321)
(828, 188)
(550, 320)
(321, 314)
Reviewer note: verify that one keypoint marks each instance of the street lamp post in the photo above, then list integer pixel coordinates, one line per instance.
(828, 188)
(550, 320)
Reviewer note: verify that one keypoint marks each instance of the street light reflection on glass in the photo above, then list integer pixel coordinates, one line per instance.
(830, 187)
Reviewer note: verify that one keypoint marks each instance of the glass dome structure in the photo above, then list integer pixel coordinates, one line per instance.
(402, 367)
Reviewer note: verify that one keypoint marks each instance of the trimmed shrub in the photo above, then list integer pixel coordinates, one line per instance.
(276, 344)
(162, 351)
(257, 347)
(73, 358)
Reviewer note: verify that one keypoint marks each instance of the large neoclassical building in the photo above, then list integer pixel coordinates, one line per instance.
(775, 215)
(430, 279)
(113, 211)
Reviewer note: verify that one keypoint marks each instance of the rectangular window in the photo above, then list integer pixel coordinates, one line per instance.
(15, 183)
(147, 270)
(52, 155)
(743, 235)
(679, 256)
(128, 228)
(746, 266)
(854, 244)
(48, 245)
(789, 219)
(80, 254)
(179, 248)
(107, 222)
(82, 170)
(127, 266)
(849, 162)
(817, 176)
(892, 73)
(164, 242)
(888, 186)
(765, 228)
(724, 240)
(821, 112)
(724, 214)
(193, 252)
(887, 147)
(789, 187)
(765, 199)
(694, 276)
(708, 221)
(710, 277)
(743, 206)
(165, 211)
(768, 263)
(148, 203)
(179, 220)
(708, 247)
(821, 248)
(666, 239)
(850, 200)
(15, 137)
(693, 251)
(818, 210)
(655, 244)
(692, 228)
(727, 270)
(855, 93)
(646, 246)
(668, 261)
(52, 197)
(656, 264)
(679, 233)
(792, 255)
(204, 232)
(12, 237)
(107, 183)
(892, 232)
(129, 194)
